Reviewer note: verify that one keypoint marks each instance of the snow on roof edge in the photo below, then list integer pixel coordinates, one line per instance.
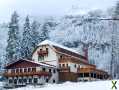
(40, 63)
(58, 45)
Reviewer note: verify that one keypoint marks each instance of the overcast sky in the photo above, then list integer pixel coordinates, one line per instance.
(50, 7)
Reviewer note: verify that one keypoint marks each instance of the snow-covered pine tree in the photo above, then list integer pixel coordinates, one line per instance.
(115, 43)
(35, 38)
(13, 46)
(44, 32)
(26, 45)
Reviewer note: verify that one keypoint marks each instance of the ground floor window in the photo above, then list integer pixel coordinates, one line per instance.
(10, 81)
(94, 75)
(30, 80)
(25, 80)
(81, 75)
(35, 80)
(20, 80)
(15, 81)
(53, 81)
(86, 74)
(47, 80)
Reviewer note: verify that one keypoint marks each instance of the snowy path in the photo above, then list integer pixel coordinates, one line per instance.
(98, 85)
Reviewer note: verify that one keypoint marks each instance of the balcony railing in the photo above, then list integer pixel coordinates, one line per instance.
(64, 69)
(42, 53)
(15, 74)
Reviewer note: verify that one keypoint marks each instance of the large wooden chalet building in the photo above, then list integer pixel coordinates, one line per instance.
(52, 63)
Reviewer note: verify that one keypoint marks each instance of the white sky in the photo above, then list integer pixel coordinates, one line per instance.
(50, 7)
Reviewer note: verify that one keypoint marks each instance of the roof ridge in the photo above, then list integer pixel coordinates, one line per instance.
(58, 45)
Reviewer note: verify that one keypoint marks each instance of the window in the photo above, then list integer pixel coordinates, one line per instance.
(47, 49)
(30, 80)
(13, 70)
(34, 69)
(86, 74)
(17, 70)
(54, 71)
(47, 80)
(63, 65)
(101, 76)
(35, 80)
(15, 81)
(25, 70)
(10, 81)
(29, 69)
(53, 81)
(92, 74)
(44, 69)
(67, 65)
(20, 70)
(59, 65)
(75, 65)
(81, 75)
(20, 80)
(25, 80)
(50, 70)
(40, 58)
(98, 76)
(61, 57)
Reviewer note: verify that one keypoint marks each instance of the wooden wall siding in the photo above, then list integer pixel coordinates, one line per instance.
(89, 70)
(66, 59)
(64, 69)
(67, 76)
(39, 73)
(22, 64)
(69, 52)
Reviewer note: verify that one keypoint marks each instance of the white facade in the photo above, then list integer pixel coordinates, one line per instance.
(51, 58)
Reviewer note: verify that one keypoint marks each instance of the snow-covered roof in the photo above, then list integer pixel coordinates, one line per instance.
(47, 42)
(35, 62)
(40, 63)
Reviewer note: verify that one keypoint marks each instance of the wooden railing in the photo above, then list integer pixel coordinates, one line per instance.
(42, 52)
(64, 69)
(39, 73)
(85, 70)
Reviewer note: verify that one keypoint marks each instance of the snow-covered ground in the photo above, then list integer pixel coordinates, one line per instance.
(97, 85)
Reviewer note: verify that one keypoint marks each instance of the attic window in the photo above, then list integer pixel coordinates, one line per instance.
(61, 57)
(46, 49)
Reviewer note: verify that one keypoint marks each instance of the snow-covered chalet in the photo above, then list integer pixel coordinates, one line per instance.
(52, 63)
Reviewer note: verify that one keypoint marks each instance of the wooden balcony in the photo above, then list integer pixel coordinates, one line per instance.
(85, 70)
(65, 69)
(42, 53)
(39, 73)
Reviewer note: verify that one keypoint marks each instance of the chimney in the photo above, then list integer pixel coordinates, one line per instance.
(85, 50)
